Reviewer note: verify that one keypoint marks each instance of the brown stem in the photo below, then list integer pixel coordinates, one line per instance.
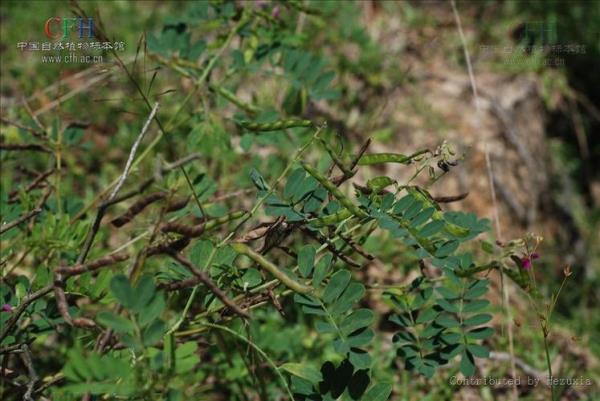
(63, 306)
(177, 204)
(339, 180)
(168, 247)
(91, 266)
(137, 208)
(102, 209)
(20, 220)
(16, 313)
(33, 377)
(206, 280)
(22, 147)
(181, 284)
(17, 124)
(34, 184)
(331, 246)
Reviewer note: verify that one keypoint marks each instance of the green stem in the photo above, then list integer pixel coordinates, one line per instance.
(208, 69)
(271, 268)
(268, 284)
(231, 97)
(57, 183)
(257, 349)
(414, 324)
(551, 309)
(189, 182)
(550, 383)
(179, 321)
(335, 191)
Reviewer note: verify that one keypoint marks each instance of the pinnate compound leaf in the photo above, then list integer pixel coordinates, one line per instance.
(356, 320)
(121, 289)
(467, 364)
(115, 322)
(359, 358)
(303, 371)
(321, 269)
(338, 283)
(478, 351)
(379, 392)
(306, 260)
(480, 333)
(478, 319)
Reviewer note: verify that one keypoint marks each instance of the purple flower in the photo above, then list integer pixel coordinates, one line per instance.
(527, 261)
(275, 12)
(7, 308)
(261, 3)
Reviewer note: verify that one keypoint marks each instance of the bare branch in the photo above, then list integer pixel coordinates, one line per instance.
(132, 153)
(181, 284)
(33, 377)
(22, 147)
(91, 266)
(21, 308)
(167, 247)
(206, 280)
(34, 184)
(102, 209)
(17, 124)
(137, 208)
(4, 228)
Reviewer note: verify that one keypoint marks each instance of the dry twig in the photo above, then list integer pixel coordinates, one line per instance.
(206, 280)
(16, 313)
(102, 209)
(33, 377)
(4, 228)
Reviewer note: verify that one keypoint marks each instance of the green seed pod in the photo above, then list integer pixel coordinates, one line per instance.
(378, 183)
(271, 268)
(227, 94)
(275, 126)
(335, 191)
(331, 219)
(380, 158)
(455, 230)
(521, 278)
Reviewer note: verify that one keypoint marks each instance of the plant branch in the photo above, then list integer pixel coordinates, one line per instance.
(102, 209)
(33, 377)
(207, 281)
(25, 302)
(4, 228)
(271, 268)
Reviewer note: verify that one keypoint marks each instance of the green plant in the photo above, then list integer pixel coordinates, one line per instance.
(195, 287)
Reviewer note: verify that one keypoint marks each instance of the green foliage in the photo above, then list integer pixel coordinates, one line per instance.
(96, 374)
(207, 290)
(334, 306)
(435, 329)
